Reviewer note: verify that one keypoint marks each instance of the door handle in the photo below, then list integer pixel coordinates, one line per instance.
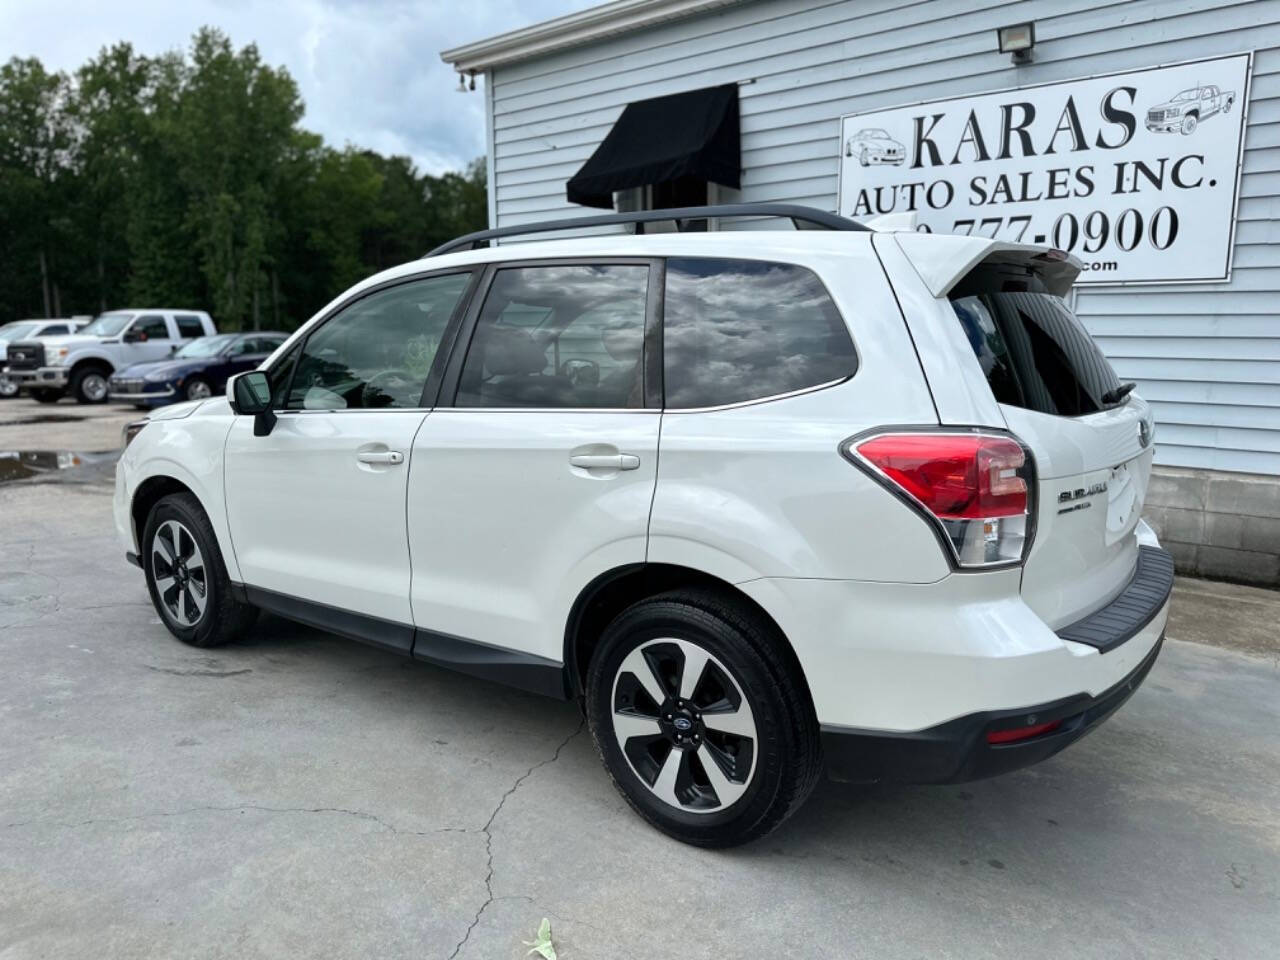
(380, 456)
(605, 461)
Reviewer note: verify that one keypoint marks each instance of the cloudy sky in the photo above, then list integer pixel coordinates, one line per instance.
(370, 72)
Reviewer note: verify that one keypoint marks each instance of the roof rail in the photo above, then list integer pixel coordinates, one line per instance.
(798, 215)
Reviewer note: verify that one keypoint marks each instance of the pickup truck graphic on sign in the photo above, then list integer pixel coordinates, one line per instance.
(1185, 111)
(874, 146)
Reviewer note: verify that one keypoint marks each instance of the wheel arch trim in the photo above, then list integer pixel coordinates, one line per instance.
(163, 472)
(605, 596)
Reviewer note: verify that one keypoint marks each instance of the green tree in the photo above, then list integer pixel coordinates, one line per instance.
(186, 179)
(35, 148)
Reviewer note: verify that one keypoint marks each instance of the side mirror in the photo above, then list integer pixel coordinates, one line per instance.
(250, 393)
(133, 336)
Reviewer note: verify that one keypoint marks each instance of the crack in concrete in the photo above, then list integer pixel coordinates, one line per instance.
(490, 899)
(240, 807)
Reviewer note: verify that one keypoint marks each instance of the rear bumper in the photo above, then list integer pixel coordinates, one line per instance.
(958, 751)
(1127, 633)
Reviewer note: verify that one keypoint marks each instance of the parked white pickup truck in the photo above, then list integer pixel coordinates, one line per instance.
(81, 364)
(1185, 111)
(30, 330)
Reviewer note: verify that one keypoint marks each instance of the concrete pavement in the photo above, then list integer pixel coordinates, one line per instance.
(300, 795)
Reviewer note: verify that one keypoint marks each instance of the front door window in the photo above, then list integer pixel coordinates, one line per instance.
(377, 352)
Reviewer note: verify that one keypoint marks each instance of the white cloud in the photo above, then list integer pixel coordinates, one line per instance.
(370, 73)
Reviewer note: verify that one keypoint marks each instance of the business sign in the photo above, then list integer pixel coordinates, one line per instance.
(1135, 173)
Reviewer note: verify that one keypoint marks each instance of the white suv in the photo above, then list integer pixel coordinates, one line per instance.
(765, 501)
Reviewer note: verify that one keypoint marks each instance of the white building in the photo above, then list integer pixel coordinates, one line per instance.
(1183, 285)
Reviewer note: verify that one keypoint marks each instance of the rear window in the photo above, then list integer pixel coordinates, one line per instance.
(739, 330)
(1033, 350)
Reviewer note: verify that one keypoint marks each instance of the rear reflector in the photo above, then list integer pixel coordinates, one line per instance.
(1022, 733)
(975, 487)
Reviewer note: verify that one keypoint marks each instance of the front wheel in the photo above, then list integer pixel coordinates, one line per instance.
(89, 385)
(197, 389)
(186, 577)
(7, 388)
(1189, 125)
(702, 722)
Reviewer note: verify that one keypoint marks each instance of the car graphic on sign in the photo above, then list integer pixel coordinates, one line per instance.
(873, 147)
(1185, 111)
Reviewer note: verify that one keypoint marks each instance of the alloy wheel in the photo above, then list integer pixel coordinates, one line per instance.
(94, 386)
(179, 571)
(684, 724)
(198, 390)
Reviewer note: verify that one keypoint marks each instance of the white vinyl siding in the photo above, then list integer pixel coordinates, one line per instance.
(1207, 356)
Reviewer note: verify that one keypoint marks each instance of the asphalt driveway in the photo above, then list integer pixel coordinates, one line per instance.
(300, 795)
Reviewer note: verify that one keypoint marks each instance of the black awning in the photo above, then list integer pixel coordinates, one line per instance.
(690, 134)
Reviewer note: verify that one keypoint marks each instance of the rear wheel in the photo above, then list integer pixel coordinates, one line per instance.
(186, 577)
(89, 385)
(703, 725)
(45, 395)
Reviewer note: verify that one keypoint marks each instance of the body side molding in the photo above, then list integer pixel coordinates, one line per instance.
(512, 668)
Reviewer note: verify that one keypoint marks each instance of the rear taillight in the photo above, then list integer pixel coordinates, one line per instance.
(976, 488)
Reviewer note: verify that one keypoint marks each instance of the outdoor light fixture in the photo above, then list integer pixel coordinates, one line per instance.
(1017, 39)
(463, 86)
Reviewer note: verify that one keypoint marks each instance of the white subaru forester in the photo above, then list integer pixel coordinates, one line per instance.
(768, 502)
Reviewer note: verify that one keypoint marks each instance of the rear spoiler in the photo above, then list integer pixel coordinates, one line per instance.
(944, 260)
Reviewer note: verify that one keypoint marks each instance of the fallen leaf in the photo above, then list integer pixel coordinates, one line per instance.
(543, 946)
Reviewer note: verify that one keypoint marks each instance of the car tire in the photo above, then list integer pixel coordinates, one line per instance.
(186, 576)
(45, 395)
(8, 389)
(90, 385)
(197, 388)
(1189, 124)
(745, 727)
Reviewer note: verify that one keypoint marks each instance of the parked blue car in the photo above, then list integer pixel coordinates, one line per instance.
(200, 369)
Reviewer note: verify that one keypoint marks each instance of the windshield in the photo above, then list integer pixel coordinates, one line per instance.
(17, 331)
(206, 346)
(1034, 352)
(1188, 95)
(108, 324)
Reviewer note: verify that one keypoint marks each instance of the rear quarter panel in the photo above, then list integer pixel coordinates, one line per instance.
(761, 489)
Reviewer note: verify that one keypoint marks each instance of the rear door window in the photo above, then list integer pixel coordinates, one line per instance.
(559, 336)
(739, 330)
(1034, 352)
(188, 325)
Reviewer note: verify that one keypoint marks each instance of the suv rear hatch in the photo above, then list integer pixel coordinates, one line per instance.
(1090, 436)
